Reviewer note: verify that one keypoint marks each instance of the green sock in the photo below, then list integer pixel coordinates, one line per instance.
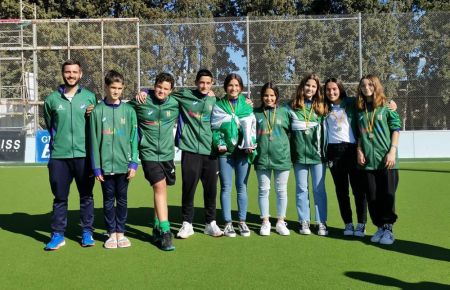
(156, 223)
(165, 226)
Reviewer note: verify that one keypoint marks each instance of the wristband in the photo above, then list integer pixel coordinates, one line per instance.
(395, 146)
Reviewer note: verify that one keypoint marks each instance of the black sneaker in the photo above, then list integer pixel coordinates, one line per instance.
(157, 237)
(166, 242)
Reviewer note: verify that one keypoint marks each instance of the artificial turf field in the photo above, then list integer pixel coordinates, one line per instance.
(419, 258)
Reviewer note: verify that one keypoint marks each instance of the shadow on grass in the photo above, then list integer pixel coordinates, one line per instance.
(392, 282)
(37, 226)
(401, 246)
(426, 170)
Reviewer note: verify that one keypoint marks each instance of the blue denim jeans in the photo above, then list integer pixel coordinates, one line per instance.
(281, 179)
(302, 194)
(227, 164)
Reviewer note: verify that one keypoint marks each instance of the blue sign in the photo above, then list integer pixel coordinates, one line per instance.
(42, 146)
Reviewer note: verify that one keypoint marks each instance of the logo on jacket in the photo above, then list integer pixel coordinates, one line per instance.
(83, 106)
(122, 121)
(168, 114)
(194, 103)
(60, 108)
(150, 112)
(104, 119)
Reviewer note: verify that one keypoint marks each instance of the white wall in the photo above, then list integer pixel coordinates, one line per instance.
(424, 144)
(413, 144)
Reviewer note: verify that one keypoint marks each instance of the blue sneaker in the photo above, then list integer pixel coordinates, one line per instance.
(56, 242)
(86, 239)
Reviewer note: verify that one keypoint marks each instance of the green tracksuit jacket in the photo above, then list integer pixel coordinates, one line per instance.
(156, 121)
(194, 124)
(375, 149)
(114, 143)
(307, 138)
(67, 123)
(273, 151)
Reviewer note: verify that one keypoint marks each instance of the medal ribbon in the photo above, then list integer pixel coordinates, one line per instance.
(370, 122)
(307, 119)
(270, 126)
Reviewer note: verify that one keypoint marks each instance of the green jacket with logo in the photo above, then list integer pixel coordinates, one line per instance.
(194, 124)
(375, 149)
(156, 121)
(67, 123)
(113, 139)
(307, 138)
(273, 151)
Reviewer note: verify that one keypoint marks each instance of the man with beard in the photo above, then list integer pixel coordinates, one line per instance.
(65, 113)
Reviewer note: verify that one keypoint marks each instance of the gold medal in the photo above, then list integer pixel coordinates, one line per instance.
(370, 122)
(269, 124)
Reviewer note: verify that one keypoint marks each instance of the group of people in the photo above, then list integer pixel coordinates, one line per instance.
(356, 137)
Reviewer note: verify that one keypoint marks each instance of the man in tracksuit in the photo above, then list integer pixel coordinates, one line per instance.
(65, 113)
(156, 118)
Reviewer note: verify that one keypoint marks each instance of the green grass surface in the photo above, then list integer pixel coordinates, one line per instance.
(419, 259)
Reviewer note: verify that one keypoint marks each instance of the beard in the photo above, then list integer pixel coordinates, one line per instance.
(66, 83)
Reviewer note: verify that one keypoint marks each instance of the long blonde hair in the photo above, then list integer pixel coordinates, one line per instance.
(379, 98)
(318, 104)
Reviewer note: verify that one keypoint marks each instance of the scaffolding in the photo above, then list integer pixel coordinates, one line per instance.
(18, 83)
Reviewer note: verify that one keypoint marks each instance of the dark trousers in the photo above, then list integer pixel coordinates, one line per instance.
(115, 188)
(195, 167)
(61, 174)
(381, 187)
(343, 167)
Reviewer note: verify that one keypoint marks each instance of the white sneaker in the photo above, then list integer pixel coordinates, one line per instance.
(243, 229)
(228, 231)
(185, 231)
(377, 236)
(265, 228)
(322, 229)
(387, 238)
(348, 230)
(282, 229)
(212, 229)
(360, 230)
(304, 228)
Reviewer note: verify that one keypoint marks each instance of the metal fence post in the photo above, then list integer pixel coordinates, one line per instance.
(360, 45)
(103, 56)
(248, 56)
(138, 56)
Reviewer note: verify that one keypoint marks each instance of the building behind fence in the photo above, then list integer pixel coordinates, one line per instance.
(410, 53)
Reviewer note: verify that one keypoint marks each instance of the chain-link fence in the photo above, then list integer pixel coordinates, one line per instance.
(410, 53)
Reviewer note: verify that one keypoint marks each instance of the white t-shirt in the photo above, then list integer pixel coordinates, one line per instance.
(338, 127)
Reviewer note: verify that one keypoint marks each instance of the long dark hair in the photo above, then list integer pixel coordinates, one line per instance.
(266, 86)
(230, 77)
(340, 85)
